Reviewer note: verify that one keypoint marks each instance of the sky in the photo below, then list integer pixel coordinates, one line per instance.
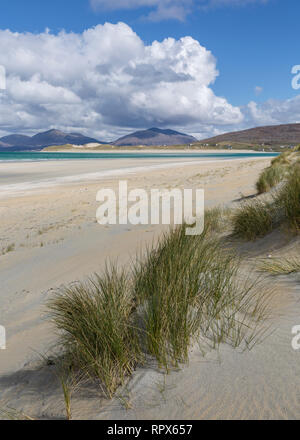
(108, 67)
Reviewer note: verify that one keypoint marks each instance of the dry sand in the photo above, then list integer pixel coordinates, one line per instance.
(54, 238)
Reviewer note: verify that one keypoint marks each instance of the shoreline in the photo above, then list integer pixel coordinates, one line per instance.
(144, 154)
(46, 180)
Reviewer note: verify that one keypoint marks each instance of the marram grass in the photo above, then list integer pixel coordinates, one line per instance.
(270, 177)
(288, 199)
(97, 329)
(183, 291)
(260, 216)
(253, 219)
(280, 168)
(280, 266)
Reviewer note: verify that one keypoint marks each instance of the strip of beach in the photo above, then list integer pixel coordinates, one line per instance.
(49, 236)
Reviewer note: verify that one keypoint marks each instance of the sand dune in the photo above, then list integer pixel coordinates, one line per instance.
(56, 240)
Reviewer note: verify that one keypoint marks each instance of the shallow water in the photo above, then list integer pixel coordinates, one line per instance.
(34, 156)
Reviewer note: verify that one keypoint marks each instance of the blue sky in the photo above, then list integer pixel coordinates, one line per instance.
(255, 43)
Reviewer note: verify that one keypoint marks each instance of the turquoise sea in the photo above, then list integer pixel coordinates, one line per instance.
(36, 156)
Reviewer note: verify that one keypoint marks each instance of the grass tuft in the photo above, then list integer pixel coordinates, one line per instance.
(184, 290)
(258, 217)
(190, 290)
(253, 219)
(280, 266)
(269, 178)
(288, 199)
(98, 334)
(282, 159)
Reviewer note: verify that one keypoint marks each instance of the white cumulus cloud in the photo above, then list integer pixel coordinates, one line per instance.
(273, 112)
(106, 81)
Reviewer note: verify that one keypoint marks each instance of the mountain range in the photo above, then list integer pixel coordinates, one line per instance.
(48, 138)
(155, 136)
(272, 134)
(152, 136)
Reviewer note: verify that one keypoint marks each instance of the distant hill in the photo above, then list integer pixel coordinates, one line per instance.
(155, 136)
(288, 134)
(272, 134)
(15, 139)
(17, 142)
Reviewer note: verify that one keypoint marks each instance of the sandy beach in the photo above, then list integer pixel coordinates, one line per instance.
(49, 236)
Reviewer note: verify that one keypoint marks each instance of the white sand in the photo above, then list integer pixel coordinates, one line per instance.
(20, 177)
(57, 241)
